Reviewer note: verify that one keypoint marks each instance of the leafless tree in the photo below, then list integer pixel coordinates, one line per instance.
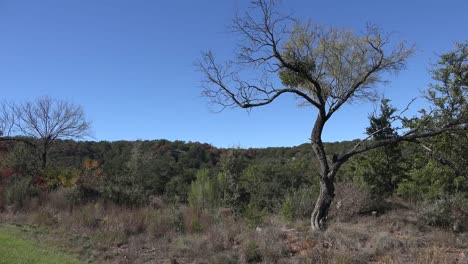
(38, 123)
(322, 66)
(7, 118)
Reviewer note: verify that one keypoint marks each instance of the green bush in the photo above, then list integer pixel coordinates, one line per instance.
(23, 160)
(176, 218)
(299, 203)
(381, 169)
(254, 215)
(267, 183)
(232, 164)
(90, 184)
(430, 181)
(252, 252)
(129, 194)
(23, 173)
(73, 196)
(178, 188)
(55, 176)
(379, 172)
(205, 192)
(19, 190)
(448, 211)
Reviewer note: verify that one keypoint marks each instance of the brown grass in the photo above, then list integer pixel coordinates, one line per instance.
(107, 233)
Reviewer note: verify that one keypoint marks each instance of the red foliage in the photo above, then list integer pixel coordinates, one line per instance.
(39, 181)
(7, 172)
(250, 152)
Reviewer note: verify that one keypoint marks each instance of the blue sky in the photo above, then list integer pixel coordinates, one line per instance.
(129, 63)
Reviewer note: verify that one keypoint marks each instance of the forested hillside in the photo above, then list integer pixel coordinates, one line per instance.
(130, 173)
(133, 171)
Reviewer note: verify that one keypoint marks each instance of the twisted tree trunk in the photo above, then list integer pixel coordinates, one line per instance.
(328, 171)
(327, 189)
(322, 205)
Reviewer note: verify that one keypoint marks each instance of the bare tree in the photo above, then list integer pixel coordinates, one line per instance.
(7, 119)
(38, 123)
(322, 66)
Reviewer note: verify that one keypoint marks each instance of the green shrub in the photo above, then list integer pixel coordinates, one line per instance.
(447, 211)
(178, 188)
(176, 218)
(299, 203)
(252, 252)
(254, 216)
(23, 170)
(129, 194)
(232, 164)
(73, 196)
(61, 176)
(23, 160)
(430, 182)
(19, 190)
(380, 170)
(205, 192)
(268, 182)
(90, 185)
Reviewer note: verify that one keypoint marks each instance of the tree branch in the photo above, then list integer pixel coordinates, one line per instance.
(410, 137)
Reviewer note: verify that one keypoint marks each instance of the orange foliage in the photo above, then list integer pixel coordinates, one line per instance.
(89, 164)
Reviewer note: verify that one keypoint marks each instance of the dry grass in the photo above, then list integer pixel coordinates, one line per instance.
(107, 233)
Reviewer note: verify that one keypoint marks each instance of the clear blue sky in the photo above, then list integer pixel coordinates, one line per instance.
(129, 63)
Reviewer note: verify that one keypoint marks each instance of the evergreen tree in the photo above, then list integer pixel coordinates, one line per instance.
(382, 169)
(232, 164)
(440, 162)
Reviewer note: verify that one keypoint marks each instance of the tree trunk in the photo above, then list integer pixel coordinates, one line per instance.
(327, 189)
(44, 159)
(322, 205)
(44, 193)
(44, 155)
(2, 196)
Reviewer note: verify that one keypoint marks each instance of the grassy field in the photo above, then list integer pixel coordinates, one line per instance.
(14, 249)
(98, 233)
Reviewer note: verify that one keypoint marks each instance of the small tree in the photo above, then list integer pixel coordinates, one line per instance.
(323, 67)
(40, 122)
(232, 164)
(381, 170)
(205, 192)
(439, 163)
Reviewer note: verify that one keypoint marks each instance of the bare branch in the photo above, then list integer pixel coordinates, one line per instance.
(50, 119)
(224, 87)
(409, 136)
(324, 66)
(7, 119)
(40, 122)
(437, 156)
(392, 119)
